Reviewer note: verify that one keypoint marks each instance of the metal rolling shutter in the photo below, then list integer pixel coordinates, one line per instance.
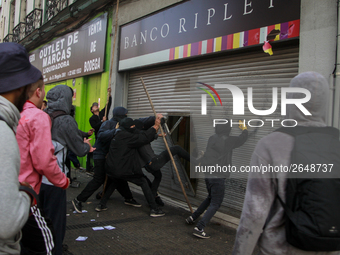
(169, 88)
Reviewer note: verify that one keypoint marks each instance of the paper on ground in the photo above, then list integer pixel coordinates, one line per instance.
(81, 238)
(97, 228)
(109, 227)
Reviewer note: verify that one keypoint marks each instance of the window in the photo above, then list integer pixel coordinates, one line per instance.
(179, 126)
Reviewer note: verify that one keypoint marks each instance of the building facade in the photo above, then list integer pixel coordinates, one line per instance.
(174, 46)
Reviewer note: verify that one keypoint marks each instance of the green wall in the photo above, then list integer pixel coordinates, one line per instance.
(89, 89)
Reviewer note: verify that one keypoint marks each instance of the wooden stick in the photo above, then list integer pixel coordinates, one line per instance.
(167, 147)
(113, 54)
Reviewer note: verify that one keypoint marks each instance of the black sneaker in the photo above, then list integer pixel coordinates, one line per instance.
(156, 213)
(132, 202)
(200, 233)
(77, 205)
(159, 201)
(100, 208)
(190, 220)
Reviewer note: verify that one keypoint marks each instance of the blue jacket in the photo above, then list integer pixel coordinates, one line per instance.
(106, 133)
(108, 130)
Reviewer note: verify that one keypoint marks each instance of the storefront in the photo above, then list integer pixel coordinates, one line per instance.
(80, 60)
(211, 42)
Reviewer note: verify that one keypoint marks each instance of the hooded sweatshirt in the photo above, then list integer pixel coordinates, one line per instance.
(262, 221)
(220, 147)
(65, 132)
(123, 159)
(107, 132)
(14, 205)
(65, 128)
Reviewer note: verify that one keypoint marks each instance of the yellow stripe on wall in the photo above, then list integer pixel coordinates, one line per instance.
(176, 52)
(218, 44)
(189, 50)
(278, 27)
(236, 42)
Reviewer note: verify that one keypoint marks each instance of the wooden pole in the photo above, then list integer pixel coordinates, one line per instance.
(113, 54)
(167, 147)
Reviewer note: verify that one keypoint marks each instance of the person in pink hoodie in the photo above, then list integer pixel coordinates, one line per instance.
(37, 158)
(35, 143)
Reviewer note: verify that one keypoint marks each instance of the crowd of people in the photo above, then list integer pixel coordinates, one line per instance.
(39, 135)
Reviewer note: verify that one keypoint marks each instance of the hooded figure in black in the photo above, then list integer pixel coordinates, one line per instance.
(153, 163)
(123, 158)
(220, 146)
(107, 131)
(219, 151)
(105, 135)
(123, 161)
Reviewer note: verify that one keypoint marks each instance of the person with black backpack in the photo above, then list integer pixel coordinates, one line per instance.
(219, 151)
(297, 210)
(65, 133)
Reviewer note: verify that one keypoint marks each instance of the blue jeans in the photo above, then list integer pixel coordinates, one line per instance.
(215, 187)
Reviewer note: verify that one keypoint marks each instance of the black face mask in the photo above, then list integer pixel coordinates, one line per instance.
(130, 130)
(126, 124)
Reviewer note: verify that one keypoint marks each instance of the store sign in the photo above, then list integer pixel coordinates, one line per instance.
(73, 55)
(200, 27)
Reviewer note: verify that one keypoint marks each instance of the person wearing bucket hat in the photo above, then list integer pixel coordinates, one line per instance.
(16, 75)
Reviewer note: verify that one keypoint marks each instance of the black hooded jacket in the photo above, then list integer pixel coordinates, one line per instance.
(123, 159)
(108, 130)
(220, 146)
(96, 120)
(106, 133)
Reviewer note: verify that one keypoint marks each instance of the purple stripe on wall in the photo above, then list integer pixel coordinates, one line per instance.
(224, 42)
(284, 30)
(194, 49)
(245, 38)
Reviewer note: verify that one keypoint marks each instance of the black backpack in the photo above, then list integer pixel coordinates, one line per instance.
(312, 205)
(56, 114)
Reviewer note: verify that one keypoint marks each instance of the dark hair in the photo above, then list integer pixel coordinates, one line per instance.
(72, 91)
(94, 104)
(72, 111)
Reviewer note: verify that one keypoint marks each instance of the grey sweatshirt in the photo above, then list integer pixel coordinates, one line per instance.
(262, 221)
(65, 128)
(14, 205)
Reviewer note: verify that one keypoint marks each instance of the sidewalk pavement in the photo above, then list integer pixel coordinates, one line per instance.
(135, 231)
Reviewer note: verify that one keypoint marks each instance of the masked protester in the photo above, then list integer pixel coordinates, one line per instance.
(123, 162)
(104, 137)
(219, 151)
